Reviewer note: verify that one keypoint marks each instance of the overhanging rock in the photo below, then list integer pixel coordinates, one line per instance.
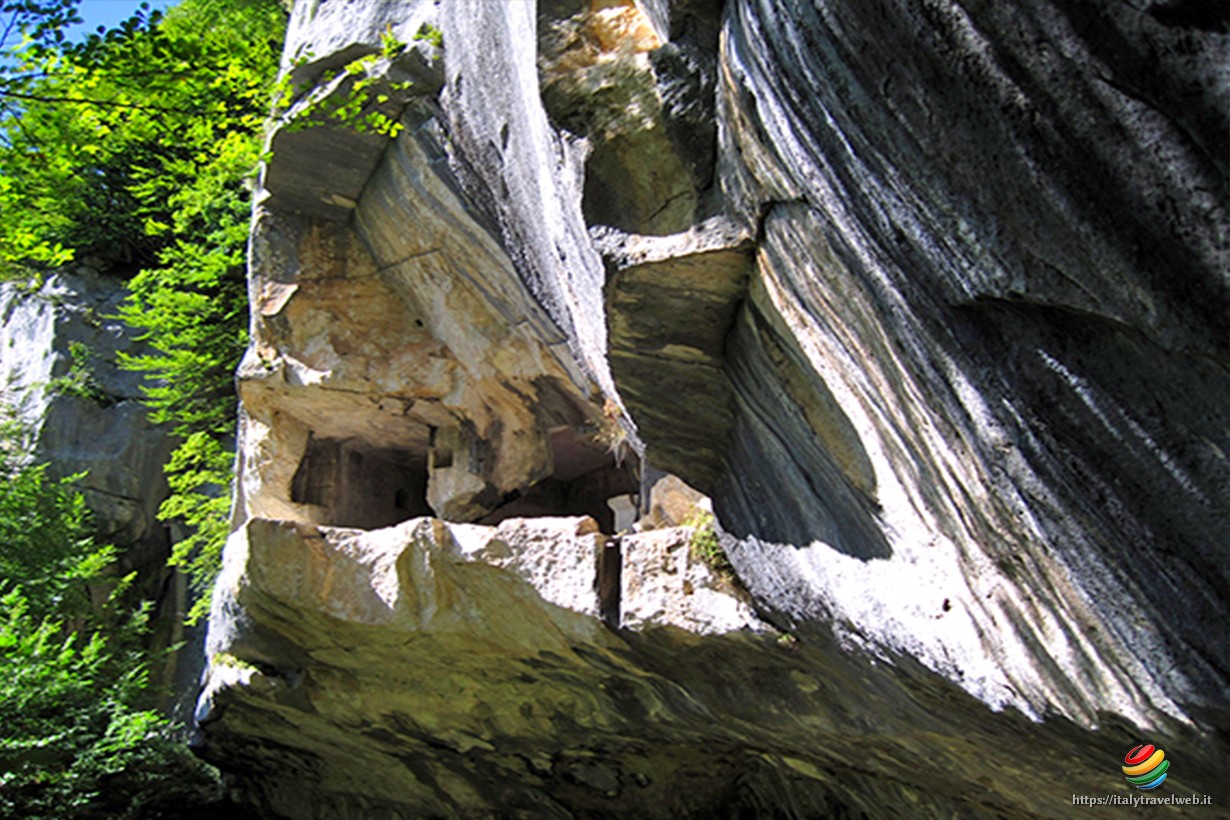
(951, 364)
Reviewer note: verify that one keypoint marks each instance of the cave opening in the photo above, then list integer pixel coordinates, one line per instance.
(585, 481)
(350, 482)
(357, 484)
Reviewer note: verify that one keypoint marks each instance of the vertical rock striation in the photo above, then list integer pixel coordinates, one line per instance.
(59, 369)
(60, 346)
(930, 299)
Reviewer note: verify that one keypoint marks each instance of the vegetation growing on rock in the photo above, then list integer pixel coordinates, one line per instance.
(78, 736)
(80, 380)
(705, 545)
(131, 152)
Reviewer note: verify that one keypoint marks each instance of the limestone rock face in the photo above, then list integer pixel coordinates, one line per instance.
(980, 263)
(929, 299)
(84, 412)
(452, 670)
(60, 346)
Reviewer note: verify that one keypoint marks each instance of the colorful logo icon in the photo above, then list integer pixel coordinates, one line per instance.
(1146, 767)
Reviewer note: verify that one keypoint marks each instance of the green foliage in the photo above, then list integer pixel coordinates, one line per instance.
(74, 728)
(193, 303)
(429, 33)
(229, 660)
(77, 738)
(134, 150)
(56, 161)
(46, 539)
(80, 380)
(390, 46)
(199, 473)
(705, 545)
(353, 97)
(66, 148)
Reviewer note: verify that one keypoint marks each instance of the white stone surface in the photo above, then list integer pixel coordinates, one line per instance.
(663, 584)
(110, 439)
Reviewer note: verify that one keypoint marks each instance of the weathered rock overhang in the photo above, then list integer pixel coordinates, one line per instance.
(465, 400)
(432, 669)
(947, 364)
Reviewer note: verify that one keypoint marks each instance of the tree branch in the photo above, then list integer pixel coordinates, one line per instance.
(103, 103)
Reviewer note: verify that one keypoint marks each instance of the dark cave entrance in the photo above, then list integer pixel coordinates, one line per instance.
(359, 485)
(584, 480)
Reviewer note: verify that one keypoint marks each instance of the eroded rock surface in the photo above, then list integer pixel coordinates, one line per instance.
(443, 670)
(986, 259)
(86, 415)
(930, 299)
(60, 346)
(83, 412)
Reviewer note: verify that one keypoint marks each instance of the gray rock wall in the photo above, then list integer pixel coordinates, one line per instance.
(85, 415)
(105, 434)
(1006, 258)
(929, 298)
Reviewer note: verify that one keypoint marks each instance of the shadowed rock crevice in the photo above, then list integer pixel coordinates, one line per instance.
(583, 480)
(644, 104)
(802, 473)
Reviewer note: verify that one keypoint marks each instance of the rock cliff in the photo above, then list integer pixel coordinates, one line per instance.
(60, 344)
(59, 369)
(928, 301)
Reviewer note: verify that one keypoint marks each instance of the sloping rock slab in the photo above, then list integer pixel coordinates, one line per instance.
(437, 670)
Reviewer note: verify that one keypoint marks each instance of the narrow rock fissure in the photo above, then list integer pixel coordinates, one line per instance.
(610, 575)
